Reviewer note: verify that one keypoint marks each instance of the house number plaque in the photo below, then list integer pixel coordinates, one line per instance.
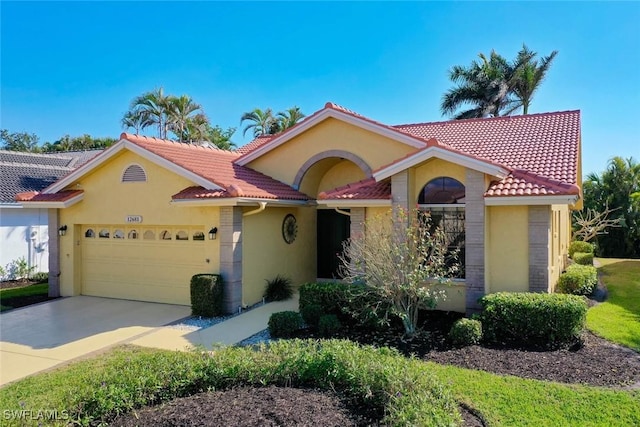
(133, 219)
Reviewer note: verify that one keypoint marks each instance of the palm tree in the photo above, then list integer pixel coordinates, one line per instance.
(289, 118)
(263, 122)
(136, 119)
(154, 106)
(486, 86)
(530, 76)
(180, 111)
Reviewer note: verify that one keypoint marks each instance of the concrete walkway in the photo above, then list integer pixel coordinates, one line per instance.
(229, 332)
(41, 336)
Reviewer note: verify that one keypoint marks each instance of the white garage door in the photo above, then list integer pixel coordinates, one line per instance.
(146, 263)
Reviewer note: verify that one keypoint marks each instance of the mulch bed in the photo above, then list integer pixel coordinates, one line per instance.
(23, 301)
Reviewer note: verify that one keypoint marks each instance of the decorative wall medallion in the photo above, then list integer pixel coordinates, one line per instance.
(289, 228)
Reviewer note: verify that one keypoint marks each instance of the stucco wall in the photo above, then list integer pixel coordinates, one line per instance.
(24, 233)
(331, 134)
(108, 201)
(507, 249)
(343, 173)
(265, 253)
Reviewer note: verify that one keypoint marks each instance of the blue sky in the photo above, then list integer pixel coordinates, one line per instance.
(73, 67)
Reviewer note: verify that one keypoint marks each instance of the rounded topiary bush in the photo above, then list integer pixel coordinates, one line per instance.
(578, 280)
(466, 332)
(583, 258)
(311, 314)
(328, 325)
(578, 246)
(284, 323)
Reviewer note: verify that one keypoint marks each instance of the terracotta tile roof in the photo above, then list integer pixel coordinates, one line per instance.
(367, 189)
(522, 183)
(543, 144)
(258, 142)
(217, 166)
(61, 196)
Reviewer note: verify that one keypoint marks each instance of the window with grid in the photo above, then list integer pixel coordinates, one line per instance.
(443, 200)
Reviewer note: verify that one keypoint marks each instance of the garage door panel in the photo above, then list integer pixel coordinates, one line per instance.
(146, 270)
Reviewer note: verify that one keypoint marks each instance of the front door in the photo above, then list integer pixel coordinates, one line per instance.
(333, 229)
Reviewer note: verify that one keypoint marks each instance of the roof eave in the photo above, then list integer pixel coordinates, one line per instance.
(236, 201)
(569, 199)
(354, 203)
(53, 205)
(443, 154)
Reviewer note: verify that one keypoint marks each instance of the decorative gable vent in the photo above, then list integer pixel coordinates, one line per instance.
(134, 173)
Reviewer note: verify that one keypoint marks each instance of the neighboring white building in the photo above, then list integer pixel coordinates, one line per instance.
(24, 231)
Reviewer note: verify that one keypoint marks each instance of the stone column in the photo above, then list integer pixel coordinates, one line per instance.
(54, 252)
(474, 238)
(231, 256)
(539, 225)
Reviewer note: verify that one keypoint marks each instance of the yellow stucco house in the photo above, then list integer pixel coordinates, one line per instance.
(140, 219)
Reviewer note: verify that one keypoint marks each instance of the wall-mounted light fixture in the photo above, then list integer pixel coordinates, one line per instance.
(213, 233)
(62, 230)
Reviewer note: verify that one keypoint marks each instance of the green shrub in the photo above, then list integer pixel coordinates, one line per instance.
(350, 303)
(278, 289)
(206, 295)
(466, 332)
(311, 314)
(583, 258)
(405, 390)
(577, 246)
(40, 277)
(283, 324)
(532, 320)
(578, 280)
(328, 325)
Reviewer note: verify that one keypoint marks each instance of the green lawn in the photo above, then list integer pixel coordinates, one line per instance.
(618, 318)
(41, 289)
(502, 400)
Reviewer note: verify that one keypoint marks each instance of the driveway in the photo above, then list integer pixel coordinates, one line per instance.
(41, 336)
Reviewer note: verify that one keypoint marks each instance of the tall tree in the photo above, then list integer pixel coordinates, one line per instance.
(289, 118)
(261, 122)
(19, 141)
(154, 107)
(531, 75)
(617, 189)
(494, 86)
(180, 111)
(136, 120)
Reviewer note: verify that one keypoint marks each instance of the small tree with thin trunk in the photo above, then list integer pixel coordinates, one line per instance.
(589, 225)
(402, 257)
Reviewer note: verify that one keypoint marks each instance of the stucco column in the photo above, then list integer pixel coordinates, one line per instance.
(400, 190)
(231, 257)
(539, 228)
(54, 252)
(357, 222)
(474, 238)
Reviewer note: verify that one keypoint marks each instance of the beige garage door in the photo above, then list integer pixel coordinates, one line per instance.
(146, 263)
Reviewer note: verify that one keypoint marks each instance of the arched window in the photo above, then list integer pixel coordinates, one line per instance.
(104, 233)
(118, 234)
(443, 199)
(149, 235)
(198, 235)
(182, 235)
(165, 235)
(90, 233)
(133, 234)
(134, 173)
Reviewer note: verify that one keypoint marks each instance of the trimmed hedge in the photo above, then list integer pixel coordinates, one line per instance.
(284, 324)
(577, 246)
(532, 320)
(328, 325)
(350, 303)
(466, 332)
(578, 280)
(206, 295)
(405, 390)
(311, 314)
(583, 258)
